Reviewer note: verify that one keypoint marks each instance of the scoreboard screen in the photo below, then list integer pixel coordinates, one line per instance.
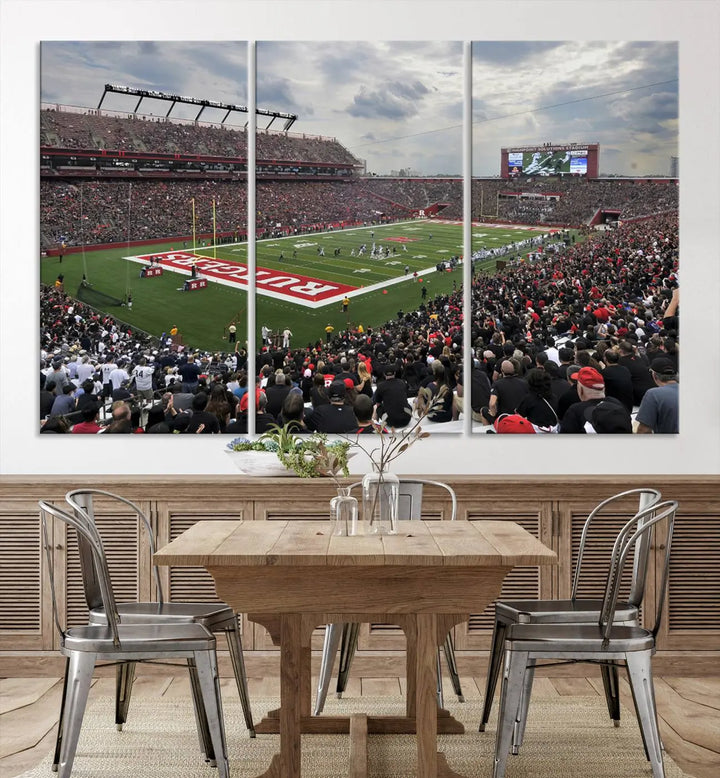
(545, 162)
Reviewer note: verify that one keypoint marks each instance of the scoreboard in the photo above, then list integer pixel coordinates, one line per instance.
(568, 159)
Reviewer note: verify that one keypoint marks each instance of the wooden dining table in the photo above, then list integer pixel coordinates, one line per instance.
(293, 576)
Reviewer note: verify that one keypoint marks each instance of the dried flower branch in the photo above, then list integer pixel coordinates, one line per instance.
(397, 441)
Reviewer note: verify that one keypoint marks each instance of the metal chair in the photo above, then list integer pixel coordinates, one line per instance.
(117, 642)
(576, 610)
(345, 636)
(216, 617)
(600, 643)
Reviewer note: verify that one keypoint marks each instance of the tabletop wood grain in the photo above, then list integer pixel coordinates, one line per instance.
(310, 543)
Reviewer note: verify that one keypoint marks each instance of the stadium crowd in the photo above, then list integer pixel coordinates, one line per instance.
(569, 201)
(95, 130)
(113, 212)
(161, 208)
(581, 339)
(101, 211)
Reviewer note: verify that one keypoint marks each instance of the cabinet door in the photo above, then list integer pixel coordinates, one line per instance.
(691, 613)
(194, 584)
(598, 547)
(284, 508)
(127, 550)
(26, 620)
(521, 582)
(436, 506)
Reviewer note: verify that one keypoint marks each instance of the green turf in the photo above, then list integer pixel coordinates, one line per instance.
(202, 316)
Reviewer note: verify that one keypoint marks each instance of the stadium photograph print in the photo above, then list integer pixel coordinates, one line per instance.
(359, 260)
(575, 242)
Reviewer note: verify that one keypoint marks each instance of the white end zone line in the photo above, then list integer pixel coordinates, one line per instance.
(380, 285)
(314, 304)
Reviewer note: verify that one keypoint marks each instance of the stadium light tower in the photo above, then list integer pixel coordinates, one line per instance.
(290, 118)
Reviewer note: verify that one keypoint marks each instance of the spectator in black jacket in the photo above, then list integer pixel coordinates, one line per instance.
(336, 417)
(618, 379)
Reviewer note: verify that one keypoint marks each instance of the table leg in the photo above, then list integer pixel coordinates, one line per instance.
(294, 696)
(429, 631)
(426, 694)
(291, 659)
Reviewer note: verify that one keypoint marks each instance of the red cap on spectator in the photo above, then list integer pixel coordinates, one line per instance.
(513, 423)
(245, 400)
(588, 376)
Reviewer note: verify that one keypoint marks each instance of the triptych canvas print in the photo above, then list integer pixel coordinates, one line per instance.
(235, 234)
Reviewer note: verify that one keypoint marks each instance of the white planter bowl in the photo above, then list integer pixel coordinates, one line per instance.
(259, 463)
(262, 463)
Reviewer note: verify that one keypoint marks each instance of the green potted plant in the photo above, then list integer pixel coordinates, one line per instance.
(279, 452)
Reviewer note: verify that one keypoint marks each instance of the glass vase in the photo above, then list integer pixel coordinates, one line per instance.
(344, 513)
(380, 496)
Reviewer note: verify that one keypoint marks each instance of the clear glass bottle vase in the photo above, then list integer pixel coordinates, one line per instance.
(380, 496)
(344, 513)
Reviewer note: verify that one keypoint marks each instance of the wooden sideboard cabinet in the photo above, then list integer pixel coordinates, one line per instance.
(552, 508)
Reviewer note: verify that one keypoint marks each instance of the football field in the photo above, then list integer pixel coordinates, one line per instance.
(300, 280)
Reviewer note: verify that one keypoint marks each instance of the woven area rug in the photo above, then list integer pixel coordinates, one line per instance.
(567, 737)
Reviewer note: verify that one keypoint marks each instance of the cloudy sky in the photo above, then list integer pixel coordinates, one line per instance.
(399, 104)
(380, 99)
(75, 73)
(372, 96)
(623, 95)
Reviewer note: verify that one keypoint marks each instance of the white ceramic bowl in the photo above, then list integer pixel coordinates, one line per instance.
(259, 463)
(262, 463)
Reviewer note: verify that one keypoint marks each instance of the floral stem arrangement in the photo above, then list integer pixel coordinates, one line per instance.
(394, 442)
(381, 488)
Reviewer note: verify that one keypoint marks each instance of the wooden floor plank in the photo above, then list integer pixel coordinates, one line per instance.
(353, 688)
(21, 762)
(264, 687)
(573, 687)
(471, 690)
(150, 686)
(380, 687)
(597, 684)
(687, 708)
(695, 760)
(542, 687)
(689, 719)
(17, 692)
(178, 687)
(23, 728)
(705, 691)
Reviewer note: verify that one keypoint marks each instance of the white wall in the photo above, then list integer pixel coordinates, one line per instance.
(695, 24)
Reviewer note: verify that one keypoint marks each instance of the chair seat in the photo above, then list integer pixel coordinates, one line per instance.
(140, 638)
(553, 611)
(583, 638)
(209, 614)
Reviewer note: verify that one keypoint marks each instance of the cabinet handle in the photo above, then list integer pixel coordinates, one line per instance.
(59, 547)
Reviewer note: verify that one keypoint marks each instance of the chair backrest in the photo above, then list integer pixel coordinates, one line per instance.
(411, 494)
(90, 540)
(647, 498)
(641, 528)
(83, 501)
